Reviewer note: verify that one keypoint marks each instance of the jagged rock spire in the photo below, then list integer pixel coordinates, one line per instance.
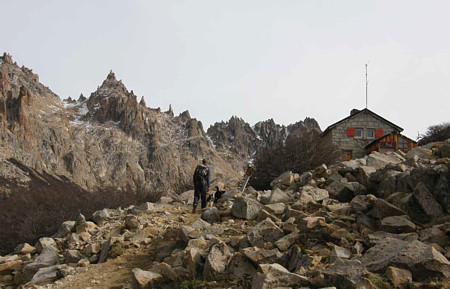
(142, 102)
(111, 76)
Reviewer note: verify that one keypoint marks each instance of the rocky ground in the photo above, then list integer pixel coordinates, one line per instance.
(378, 222)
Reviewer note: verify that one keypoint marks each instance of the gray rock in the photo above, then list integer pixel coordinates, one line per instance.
(444, 150)
(297, 259)
(263, 214)
(397, 225)
(437, 234)
(287, 241)
(339, 252)
(146, 207)
(100, 216)
(276, 276)
(277, 209)
(45, 276)
(217, 260)
(131, 222)
(312, 194)
(265, 231)
(382, 209)
(144, 279)
(399, 277)
(185, 197)
(421, 259)
(379, 160)
(262, 256)
(345, 274)
(48, 257)
(426, 201)
(105, 250)
(388, 183)
(420, 152)
(211, 215)
(200, 224)
(362, 203)
(42, 243)
(24, 249)
(65, 228)
(379, 237)
(241, 267)
(285, 179)
(279, 196)
(165, 270)
(305, 178)
(72, 256)
(246, 208)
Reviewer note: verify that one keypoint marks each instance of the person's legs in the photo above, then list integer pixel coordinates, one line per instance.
(203, 195)
(196, 198)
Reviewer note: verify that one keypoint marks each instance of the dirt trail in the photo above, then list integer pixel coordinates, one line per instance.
(116, 272)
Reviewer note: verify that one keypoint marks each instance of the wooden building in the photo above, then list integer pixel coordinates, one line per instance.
(391, 142)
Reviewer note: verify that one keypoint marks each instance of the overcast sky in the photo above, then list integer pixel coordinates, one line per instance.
(257, 59)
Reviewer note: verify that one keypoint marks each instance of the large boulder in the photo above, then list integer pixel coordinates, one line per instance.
(211, 215)
(345, 274)
(397, 225)
(380, 160)
(423, 260)
(285, 179)
(276, 276)
(144, 279)
(426, 201)
(362, 203)
(279, 196)
(312, 194)
(43, 242)
(438, 234)
(420, 152)
(444, 150)
(265, 231)
(399, 277)
(65, 228)
(217, 260)
(262, 256)
(240, 266)
(287, 241)
(245, 208)
(48, 257)
(382, 209)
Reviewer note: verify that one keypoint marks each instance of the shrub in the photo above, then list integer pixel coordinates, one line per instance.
(299, 154)
(438, 132)
(37, 210)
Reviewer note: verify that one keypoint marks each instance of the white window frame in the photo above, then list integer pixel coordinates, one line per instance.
(361, 134)
(367, 130)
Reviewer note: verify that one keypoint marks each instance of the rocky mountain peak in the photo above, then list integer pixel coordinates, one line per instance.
(6, 58)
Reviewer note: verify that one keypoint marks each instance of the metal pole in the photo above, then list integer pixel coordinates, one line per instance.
(367, 83)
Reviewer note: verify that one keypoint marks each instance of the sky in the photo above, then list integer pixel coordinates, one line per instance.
(255, 59)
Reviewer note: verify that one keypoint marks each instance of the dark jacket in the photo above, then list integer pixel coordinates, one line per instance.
(208, 176)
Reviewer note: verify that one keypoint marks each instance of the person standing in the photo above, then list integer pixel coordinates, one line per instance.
(202, 179)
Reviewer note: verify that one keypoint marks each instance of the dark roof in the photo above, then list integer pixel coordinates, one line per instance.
(380, 138)
(356, 112)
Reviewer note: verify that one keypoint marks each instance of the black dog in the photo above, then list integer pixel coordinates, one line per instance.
(217, 195)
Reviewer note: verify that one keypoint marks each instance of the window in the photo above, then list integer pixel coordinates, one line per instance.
(402, 143)
(359, 132)
(387, 144)
(370, 132)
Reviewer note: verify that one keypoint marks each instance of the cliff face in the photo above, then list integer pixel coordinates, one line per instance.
(109, 140)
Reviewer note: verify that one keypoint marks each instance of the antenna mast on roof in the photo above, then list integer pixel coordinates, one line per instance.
(367, 82)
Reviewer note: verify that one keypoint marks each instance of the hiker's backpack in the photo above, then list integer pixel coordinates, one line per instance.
(201, 174)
